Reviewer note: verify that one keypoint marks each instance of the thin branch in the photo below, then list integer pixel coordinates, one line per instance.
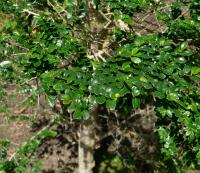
(160, 27)
(27, 81)
(14, 43)
(17, 54)
(30, 12)
(49, 3)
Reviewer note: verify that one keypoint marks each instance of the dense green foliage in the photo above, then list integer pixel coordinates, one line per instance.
(162, 69)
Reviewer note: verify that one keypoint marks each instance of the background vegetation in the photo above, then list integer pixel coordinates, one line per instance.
(90, 60)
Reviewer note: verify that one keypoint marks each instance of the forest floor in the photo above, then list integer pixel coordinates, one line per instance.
(19, 123)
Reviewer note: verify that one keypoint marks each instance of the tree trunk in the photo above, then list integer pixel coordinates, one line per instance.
(87, 141)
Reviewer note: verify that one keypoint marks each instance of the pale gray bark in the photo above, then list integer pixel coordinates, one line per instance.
(86, 147)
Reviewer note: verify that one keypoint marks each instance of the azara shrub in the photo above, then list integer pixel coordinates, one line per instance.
(50, 40)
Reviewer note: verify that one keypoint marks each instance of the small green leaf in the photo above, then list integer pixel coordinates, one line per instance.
(172, 97)
(187, 53)
(134, 51)
(136, 60)
(196, 79)
(143, 79)
(195, 70)
(159, 94)
(126, 65)
(52, 133)
(51, 48)
(111, 104)
(128, 20)
(85, 114)
(136, 103)
(100, 100)
(198, 155)
(186, 69)
(77, 114)
(52, 59)
(184, 45)
(66, 99)
(182, 60)
(135, 91)
(175, 97)
(60, 86)
(47, 133)
(37, 63)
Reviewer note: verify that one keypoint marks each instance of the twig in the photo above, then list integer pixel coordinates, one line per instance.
(16, 54)
(160, 27)
(14, 43)
(30, 12)
(57, 11)
(29, 80)
(142, 20)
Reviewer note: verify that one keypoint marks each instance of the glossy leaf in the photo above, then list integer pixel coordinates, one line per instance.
(111, 104)
(136, 103)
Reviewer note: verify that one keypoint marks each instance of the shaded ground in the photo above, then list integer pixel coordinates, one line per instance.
(59, 155)
(15, 124)
(19, 122)
(16, 131)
